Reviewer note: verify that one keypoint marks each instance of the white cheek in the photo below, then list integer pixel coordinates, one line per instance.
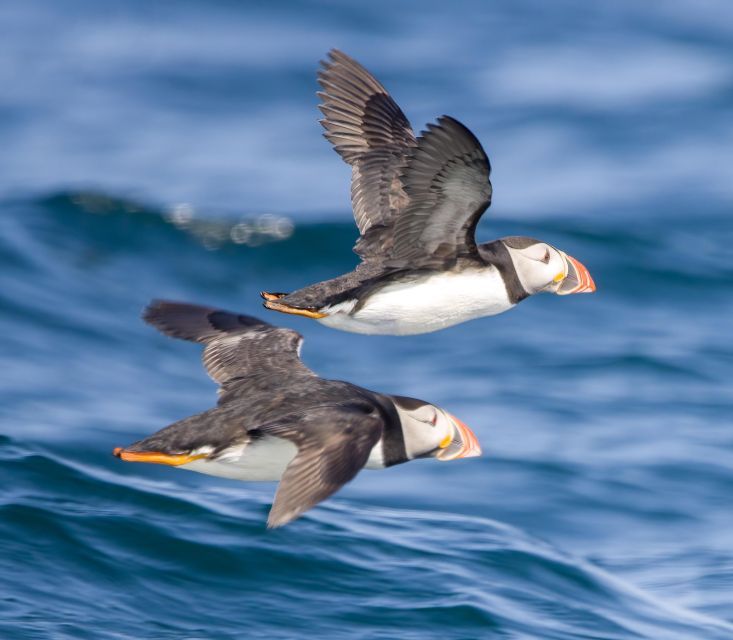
(537, 276)
(555, 268)
(445, 429)
(558, 266)
(531, 274)
(420, 438)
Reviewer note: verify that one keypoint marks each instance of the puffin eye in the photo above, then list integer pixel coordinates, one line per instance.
(434, 419)
(546, 258)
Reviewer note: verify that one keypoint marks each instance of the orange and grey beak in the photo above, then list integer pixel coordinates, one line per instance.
(577, 280)
(463, 444)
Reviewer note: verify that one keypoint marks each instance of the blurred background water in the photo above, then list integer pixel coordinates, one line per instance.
(171, 149)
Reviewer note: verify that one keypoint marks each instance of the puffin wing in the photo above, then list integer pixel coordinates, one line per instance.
(446, 179)
(237, 347)
(334, 443)
(370, 132)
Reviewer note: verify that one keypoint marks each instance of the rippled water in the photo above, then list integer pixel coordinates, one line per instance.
(172, 151)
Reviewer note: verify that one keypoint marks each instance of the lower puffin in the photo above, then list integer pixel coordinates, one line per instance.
(277, 420)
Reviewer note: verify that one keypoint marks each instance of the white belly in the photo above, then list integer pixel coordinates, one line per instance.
(436, 302)
(263, 460)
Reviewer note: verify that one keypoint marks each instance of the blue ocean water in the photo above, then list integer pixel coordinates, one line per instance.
(172, 150)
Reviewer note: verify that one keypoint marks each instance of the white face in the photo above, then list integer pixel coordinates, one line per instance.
(540, 267)
(426, 429)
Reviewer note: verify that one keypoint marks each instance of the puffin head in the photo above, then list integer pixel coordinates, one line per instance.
(542, 267)
(431, 432)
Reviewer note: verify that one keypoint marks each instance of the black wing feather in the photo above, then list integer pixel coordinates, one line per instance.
(416, 202)
(447, 182)
(237, 346)
(334, 443)
(370, 132)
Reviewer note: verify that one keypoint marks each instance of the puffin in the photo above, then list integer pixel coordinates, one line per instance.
(278, 420)
(416, 202)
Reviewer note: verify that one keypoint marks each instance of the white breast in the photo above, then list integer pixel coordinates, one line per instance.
(263, 460)
(435, 302)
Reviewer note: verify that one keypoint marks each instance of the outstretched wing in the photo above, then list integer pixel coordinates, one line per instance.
(446, 179)
(416, 202)
(236, 346)
(370, 132)
(334, 443)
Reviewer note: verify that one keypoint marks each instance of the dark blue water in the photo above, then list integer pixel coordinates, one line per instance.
(171, 150)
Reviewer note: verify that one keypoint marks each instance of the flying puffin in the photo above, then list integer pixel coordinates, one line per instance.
(277, 420)
(417, 202)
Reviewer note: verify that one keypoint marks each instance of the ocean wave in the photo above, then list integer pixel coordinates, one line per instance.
(126, 543)
(159, 553)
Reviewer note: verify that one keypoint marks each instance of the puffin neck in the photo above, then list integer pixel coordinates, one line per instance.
(496, 254)
(393, 438)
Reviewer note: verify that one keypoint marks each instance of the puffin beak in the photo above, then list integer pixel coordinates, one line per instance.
(464, 443)
(577, 280)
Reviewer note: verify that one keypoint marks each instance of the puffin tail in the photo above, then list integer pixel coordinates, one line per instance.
(283, 307)
(266, 295)
(156, 457)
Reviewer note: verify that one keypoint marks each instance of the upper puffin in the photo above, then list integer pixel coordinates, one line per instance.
(417, 202)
